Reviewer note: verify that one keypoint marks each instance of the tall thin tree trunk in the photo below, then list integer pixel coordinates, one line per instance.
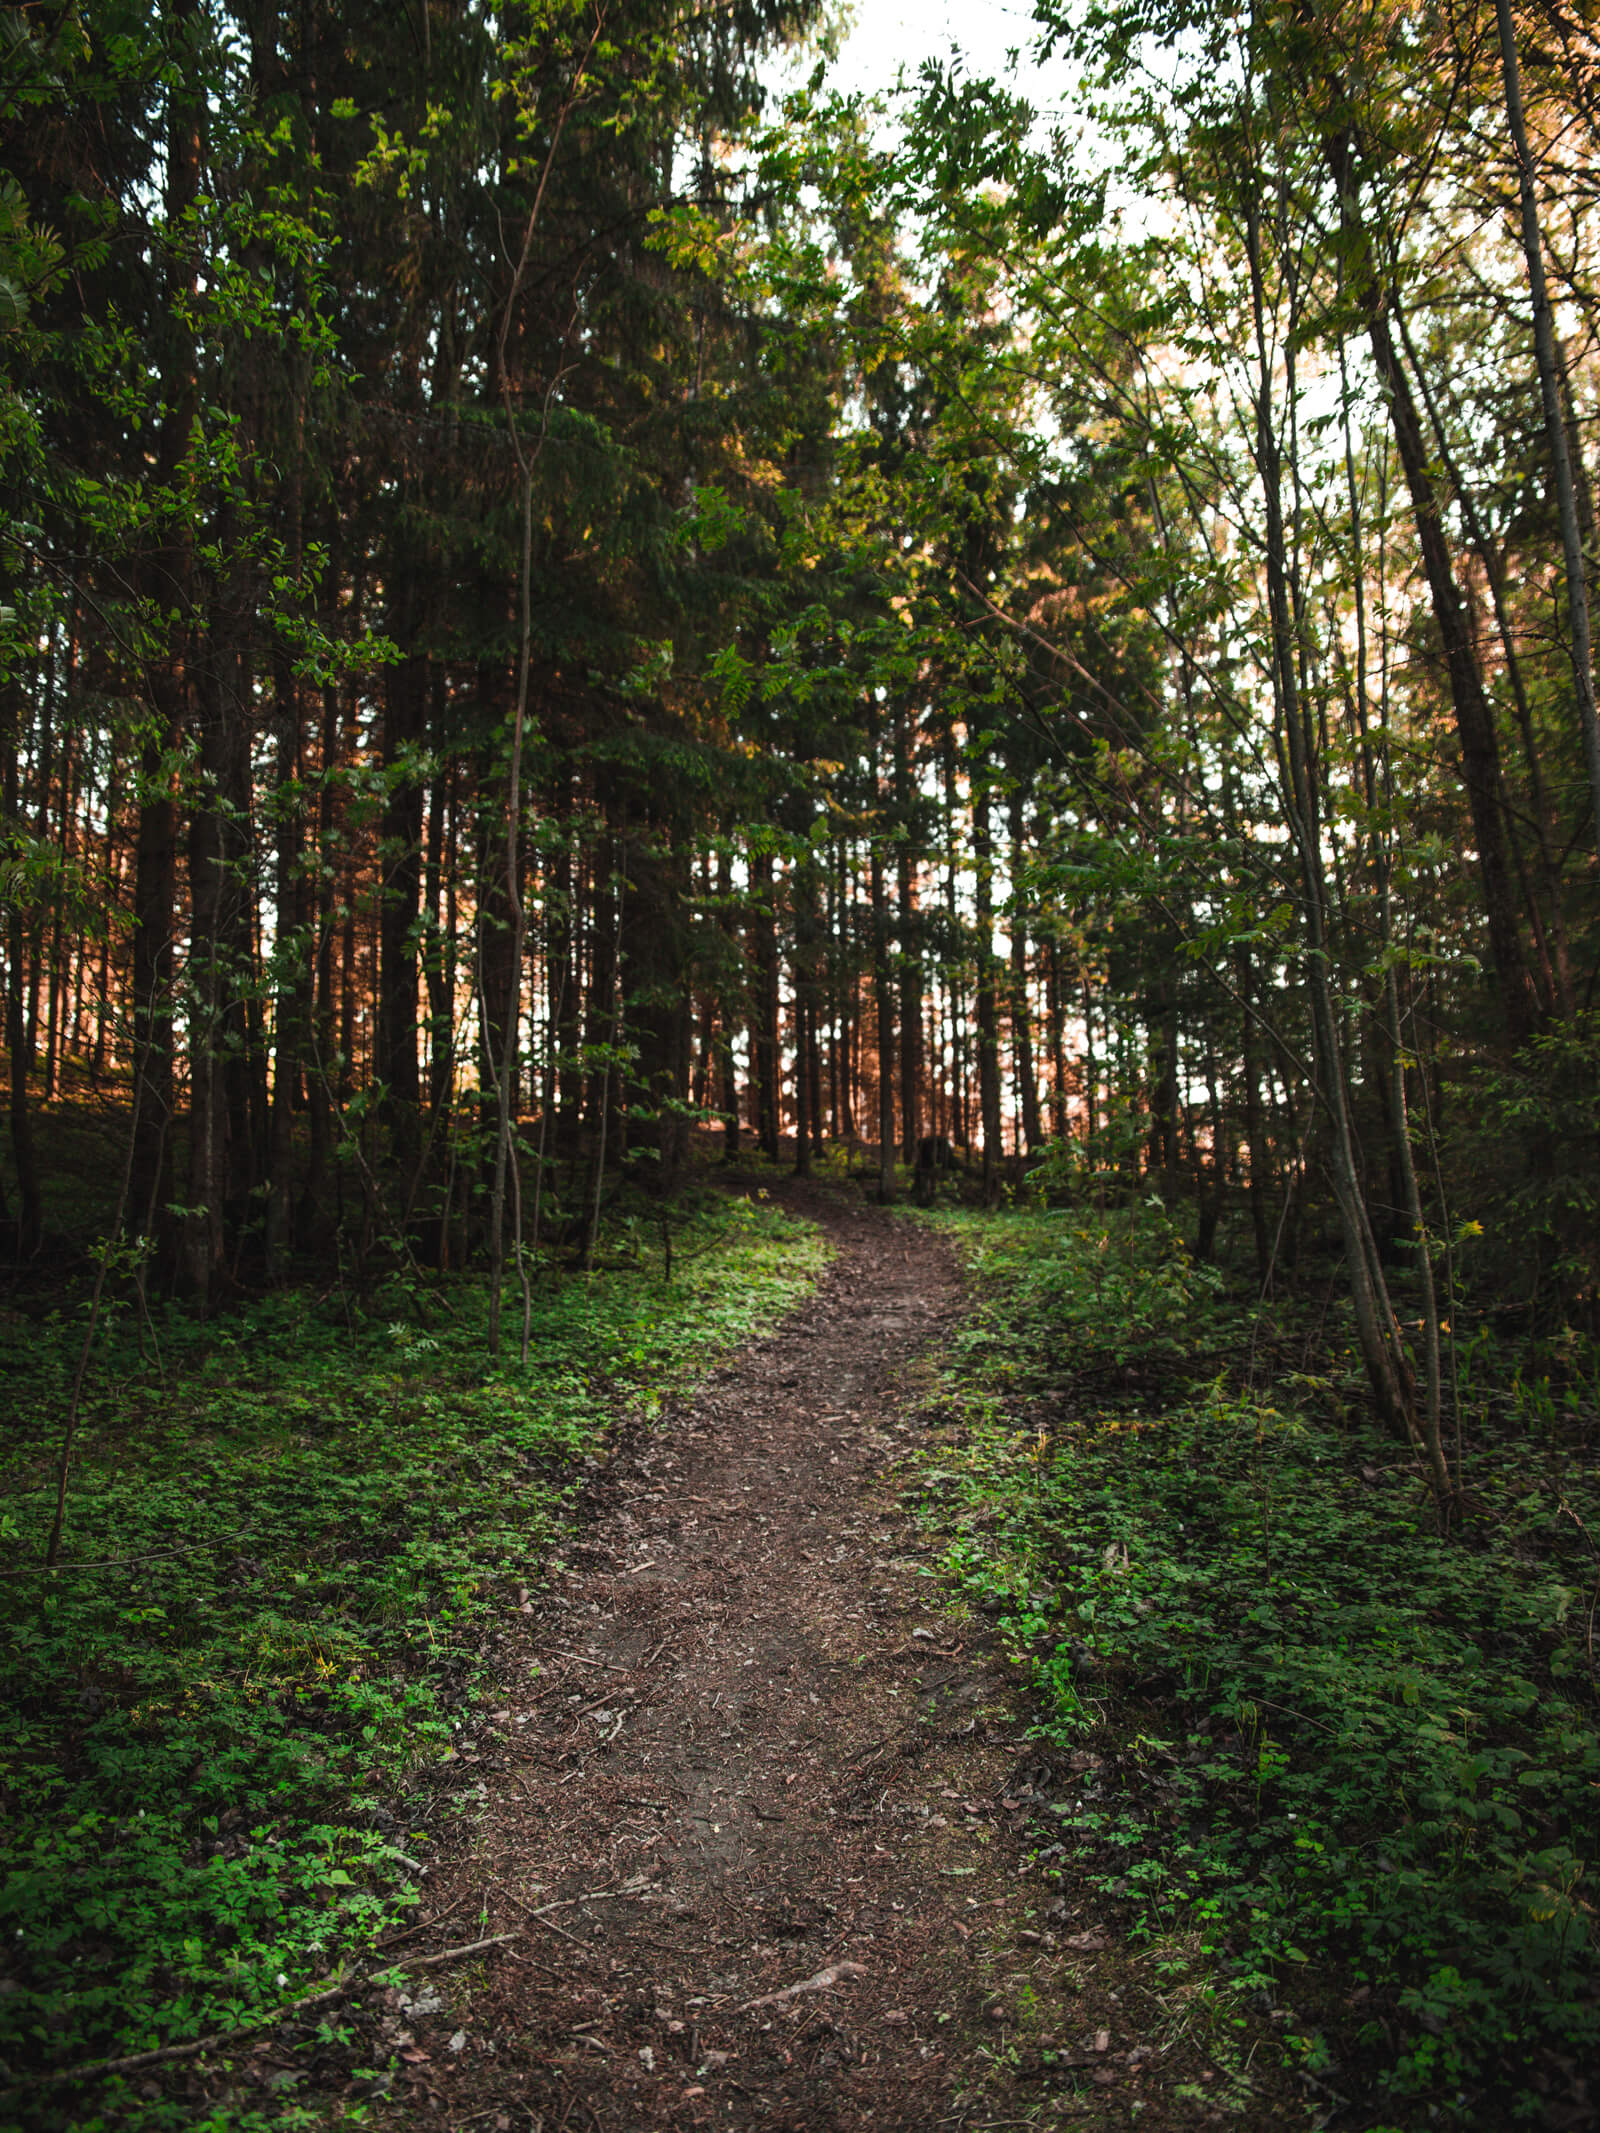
(988, 991)
(30, 1214)
(1021, 1005)
(1475, 728)
(1550, 390)
(767, 1056)
(1378, 1332)
(883, 1000)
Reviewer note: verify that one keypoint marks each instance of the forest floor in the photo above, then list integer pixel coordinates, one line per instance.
(757, 1839)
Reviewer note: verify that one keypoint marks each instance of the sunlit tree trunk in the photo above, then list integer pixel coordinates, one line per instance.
(988, 991)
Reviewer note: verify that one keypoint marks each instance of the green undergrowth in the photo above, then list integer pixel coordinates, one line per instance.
(1346, 1763)
(290, 1531)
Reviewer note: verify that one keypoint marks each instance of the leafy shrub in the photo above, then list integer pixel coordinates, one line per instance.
(1318, 1729)
(1530, 1156)
(287, 1540)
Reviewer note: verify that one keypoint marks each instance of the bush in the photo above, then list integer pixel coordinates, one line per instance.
(1318, 1730)
(289, 1539)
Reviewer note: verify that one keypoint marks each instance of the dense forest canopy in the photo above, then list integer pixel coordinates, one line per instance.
(551, 597)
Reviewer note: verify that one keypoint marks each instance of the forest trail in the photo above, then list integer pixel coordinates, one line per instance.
(754, 1752)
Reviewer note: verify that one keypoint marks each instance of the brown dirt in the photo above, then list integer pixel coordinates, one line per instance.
(756, 1751)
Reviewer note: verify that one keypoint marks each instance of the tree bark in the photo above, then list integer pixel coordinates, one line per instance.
(400, 878)
(988, 991)
(1382, 1348)
(30, 1211)
(883, 1001)
(1021, 1006)
(1550, 390)
(1475, 728)
(766, 1050)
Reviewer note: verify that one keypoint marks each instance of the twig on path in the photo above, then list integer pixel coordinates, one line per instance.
(542, 1917)
(636, 1887)
(599, 1704)
(445, 1955)
(550, 1926)
(819, 1982)
(582, 1661)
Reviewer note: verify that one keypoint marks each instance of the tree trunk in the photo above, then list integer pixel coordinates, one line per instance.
(1021, 1006)
(30, 1212)
(728, 1005)
(883, 1000)
(1475, 728)
(909, 943)
(217, 861)
(988, 992)
(167, 587)
(1055, 1007)
(766, 1049)
(294, 1005)
(655, 974)
(1381, 1345)
(400, 879)
(1550, 390)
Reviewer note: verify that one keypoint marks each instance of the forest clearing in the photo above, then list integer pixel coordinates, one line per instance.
(800, 1214)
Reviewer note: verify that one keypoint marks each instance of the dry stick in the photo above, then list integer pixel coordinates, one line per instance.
(818, 1982)
(445, 1955)
(196, 2045)
(121, 1562)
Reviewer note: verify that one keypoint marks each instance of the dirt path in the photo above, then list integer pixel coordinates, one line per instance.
(755, 1754)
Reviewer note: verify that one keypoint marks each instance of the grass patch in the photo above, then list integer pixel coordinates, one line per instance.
(1348, 1762)
(287, 1540)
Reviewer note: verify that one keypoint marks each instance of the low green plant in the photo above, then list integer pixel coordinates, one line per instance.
(289, 1541)
(1315, 1730)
